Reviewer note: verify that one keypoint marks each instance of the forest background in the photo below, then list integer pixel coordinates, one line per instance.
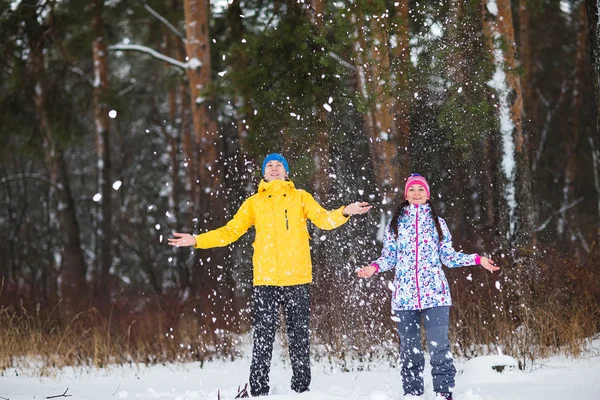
(123, 121)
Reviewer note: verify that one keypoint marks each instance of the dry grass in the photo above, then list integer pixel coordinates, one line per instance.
(538, 312)
(530, 312)
(545, 309)
(42, 344)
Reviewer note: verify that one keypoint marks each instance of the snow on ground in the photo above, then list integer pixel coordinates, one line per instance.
(556, 378)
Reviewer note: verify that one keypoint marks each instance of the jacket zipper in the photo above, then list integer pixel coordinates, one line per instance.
(417, 261)
(287, 225)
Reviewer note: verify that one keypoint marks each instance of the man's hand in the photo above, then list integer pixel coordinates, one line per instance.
(183, 239)
(356, 208)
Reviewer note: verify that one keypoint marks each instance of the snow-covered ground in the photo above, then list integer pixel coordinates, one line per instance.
(557, 378)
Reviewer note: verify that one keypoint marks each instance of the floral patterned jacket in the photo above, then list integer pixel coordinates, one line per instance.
(417, 256)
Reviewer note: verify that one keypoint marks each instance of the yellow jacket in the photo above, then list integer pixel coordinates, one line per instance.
(281, 250)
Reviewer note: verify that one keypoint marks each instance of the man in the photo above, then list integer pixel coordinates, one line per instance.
(282, 265)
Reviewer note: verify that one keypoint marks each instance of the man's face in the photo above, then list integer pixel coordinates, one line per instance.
(416, 194)
(274, 170)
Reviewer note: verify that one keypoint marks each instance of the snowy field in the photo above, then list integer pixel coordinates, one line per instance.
(557, 378)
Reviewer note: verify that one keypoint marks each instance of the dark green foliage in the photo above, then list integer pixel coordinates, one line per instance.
(288, 75)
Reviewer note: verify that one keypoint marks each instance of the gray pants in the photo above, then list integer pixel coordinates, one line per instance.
(436, 321)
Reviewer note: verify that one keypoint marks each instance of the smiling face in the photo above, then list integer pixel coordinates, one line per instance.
(274, 170)
(416, 194)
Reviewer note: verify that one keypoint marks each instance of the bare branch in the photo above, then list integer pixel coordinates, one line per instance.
(164, 21)
(79, 72)
(39, 177)
(127, 89)
(342, 61)
(60, 395)
(549, 115)
(116, 390)
(192, 63)
(558, 212)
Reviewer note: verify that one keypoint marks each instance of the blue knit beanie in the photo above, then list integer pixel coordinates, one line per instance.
(275, 157)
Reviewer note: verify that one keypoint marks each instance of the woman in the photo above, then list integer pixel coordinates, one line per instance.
(417, 242)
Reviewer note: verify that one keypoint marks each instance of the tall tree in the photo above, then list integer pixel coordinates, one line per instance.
(101, 121)
(206, 136)
(236, 32)
(401, 69)
(516, 173)
(214, 281)
(525, 57)
(321, 144)
(72, 267)
(574, 134)
(593, 12)
(373, 64)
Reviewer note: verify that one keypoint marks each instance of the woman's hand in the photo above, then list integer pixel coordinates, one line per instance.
(356, 208)
(366, 272)
(488, 264)
(183, 239)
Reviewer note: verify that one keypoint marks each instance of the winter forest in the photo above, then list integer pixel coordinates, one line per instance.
(122, 122)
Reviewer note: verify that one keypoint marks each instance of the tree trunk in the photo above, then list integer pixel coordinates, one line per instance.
(572, 137)
(172, 138)
(211, 276)
(488, 162)
(188, 144)
(172, 133)
(104, 212)
(72, 268)
(363, 79)
(525, 58)
(374, 80)
(401, 66)
(593, 12)
(318, 12)
(237, 30)
(203, 110)
(321, 144)
(321, 159)
(385, 132)
(518, 203)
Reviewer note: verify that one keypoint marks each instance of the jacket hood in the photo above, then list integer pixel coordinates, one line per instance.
(275, 186)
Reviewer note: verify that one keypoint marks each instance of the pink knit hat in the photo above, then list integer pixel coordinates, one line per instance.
(416, 179)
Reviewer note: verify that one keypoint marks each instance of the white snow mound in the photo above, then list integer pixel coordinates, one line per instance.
(486, 368)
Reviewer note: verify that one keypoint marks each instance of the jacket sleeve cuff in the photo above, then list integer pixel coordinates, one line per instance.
(347, 217)
(477, 259)
(197, 245)
(374, 264)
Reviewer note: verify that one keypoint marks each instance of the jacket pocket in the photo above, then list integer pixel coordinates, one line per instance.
(440, 278)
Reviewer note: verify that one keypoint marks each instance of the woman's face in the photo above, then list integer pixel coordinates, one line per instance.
(274, 170)
(416, 194)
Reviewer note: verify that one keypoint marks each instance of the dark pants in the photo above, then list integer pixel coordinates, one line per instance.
(265, 309)
(413, 362)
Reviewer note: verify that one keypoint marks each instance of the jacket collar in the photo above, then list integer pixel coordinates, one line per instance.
(275, 186)
(413, 209)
